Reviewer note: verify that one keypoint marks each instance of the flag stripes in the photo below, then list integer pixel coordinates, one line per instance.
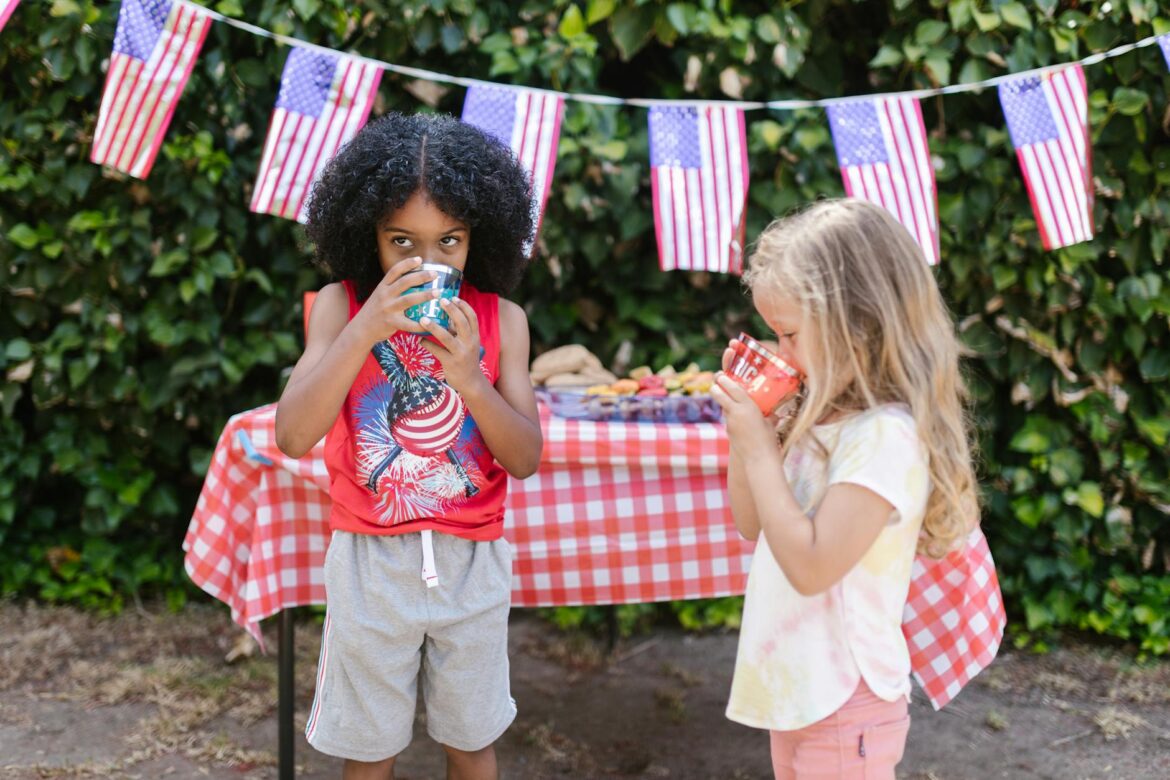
(155, 48)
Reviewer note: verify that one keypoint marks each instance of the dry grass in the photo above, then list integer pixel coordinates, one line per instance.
(61, 654)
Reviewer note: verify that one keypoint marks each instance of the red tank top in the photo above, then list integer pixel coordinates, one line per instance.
(404, 454)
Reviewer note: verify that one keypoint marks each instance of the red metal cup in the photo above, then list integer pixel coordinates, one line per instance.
(765, 376)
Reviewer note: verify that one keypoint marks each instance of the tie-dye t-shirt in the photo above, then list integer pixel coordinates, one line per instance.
(800, 657)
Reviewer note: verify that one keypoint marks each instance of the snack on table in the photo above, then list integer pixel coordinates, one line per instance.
(576, 385)
(569, 359)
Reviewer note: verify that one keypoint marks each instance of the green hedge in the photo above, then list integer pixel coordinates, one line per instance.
(137, 316)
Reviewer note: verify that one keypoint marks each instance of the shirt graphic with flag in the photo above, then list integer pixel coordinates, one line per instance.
(324, 100)
(6, 9)
(155, 47)
(528, 122)
(1047, 116)
(884, 158)
(699, 180)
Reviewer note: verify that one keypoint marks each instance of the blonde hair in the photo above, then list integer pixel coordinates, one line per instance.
(880, 333)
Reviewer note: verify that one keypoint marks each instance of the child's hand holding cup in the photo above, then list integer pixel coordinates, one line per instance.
(447, 281)
(766, 377)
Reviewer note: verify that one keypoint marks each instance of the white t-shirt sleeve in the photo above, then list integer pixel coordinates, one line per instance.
(881, 451)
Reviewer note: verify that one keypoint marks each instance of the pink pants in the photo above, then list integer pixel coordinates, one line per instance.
(863, 740)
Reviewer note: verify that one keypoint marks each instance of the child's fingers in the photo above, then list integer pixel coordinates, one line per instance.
(401, 303)
(399, 269)
(408, 280)
(462, 317)
(439, 332)
(731, 388)
(728, 356)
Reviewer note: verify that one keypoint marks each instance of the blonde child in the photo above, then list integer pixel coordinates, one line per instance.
(872, 464)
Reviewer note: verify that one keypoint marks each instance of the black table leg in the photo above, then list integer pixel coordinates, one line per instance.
(285, 696)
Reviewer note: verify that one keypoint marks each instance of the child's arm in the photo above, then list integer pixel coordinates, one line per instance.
(743, 506)
(506, 413)
(813, 554)
(335, 349)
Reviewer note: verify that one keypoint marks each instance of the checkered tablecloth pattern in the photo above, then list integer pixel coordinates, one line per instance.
(617, 513)
(954, 618)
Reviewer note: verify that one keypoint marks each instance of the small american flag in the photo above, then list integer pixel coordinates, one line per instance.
(1164, 42)
(529, 122)
(155, 47)
(884, 158)
(1047, 116)
(324, 100)
(6, 9)
(699, 179)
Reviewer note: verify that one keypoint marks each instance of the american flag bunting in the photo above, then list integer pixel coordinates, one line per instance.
(1164, 43)
(155, 47)
(528, 122)
(699, 180)
(324, 100)
(884, 158)
(6, 9)
(1047, 116)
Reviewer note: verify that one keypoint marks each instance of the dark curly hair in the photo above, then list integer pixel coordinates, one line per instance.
(469, 175)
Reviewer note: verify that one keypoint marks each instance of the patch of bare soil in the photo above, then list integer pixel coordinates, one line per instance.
(151, 695)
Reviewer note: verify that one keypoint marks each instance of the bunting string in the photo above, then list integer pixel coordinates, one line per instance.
(747, 105)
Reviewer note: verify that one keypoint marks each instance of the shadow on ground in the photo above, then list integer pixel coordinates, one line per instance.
(150, 695)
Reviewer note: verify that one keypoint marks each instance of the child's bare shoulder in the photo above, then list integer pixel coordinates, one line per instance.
(512, 316)
(330, 309)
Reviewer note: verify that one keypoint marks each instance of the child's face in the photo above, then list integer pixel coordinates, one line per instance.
(422, 229)
(786, 318)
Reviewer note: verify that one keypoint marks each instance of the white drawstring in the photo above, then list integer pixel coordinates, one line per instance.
(430, 574)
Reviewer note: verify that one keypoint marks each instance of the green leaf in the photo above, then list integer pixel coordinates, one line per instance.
(939, 66)
(599, 10)
(1129, 101)
(230, 8)
(631, 28)
(611, 150)
(23, 236)
(1088, 497)
(768, 29)
(959, 12)
(451, 38)
(1155, 366)
(306, 9)
(572, 23)
(676, 14)
(168, 262)
(887, 56)
(1016, 14)
(64, 8)
(1031, 438)
(986, 22)
(930, 32)
(17, 350)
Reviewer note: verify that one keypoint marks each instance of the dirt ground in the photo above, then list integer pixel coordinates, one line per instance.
(149, 695)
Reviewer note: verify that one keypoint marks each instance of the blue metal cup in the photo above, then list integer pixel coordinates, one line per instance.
(447, 281)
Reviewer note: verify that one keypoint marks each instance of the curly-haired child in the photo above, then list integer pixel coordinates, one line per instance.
(423, 425)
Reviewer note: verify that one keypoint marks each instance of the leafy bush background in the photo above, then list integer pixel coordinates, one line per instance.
(137, 316)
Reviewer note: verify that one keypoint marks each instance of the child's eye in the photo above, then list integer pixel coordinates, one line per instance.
(449, 240)
(402, 241)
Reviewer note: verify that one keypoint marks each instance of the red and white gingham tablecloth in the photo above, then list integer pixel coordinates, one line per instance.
(618, 513)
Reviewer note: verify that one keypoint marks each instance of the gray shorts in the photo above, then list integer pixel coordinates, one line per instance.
(385, 629)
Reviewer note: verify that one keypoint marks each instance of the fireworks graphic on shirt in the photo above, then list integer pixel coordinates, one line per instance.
(416, 446)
